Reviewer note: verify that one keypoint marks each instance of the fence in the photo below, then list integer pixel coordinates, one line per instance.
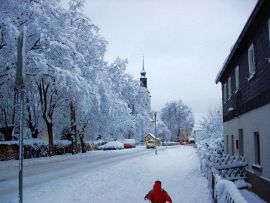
(220, 170)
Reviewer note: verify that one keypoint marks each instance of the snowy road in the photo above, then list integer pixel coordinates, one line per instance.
(107, 176)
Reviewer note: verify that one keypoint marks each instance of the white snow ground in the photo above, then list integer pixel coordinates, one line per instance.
(127, 181)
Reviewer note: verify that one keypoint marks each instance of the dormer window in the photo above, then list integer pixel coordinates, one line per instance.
(229, 87)
(237, 79)
(251, 61)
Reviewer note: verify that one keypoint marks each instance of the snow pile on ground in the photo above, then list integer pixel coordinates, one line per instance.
(128, 180)
(113, 145)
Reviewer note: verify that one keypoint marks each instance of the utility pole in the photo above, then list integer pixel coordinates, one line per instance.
(155, 133)
(19, 88)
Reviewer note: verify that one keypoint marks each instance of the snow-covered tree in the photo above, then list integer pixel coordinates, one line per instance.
(212, 124)
(64, 67)
(178, 117)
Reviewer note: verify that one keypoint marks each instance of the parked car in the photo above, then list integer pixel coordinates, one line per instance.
(129, 143)
(113, 145)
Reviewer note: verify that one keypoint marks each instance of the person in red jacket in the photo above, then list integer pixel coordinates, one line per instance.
(158, 195)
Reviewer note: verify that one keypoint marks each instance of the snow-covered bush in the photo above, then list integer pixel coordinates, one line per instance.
(211, 126)
(207, 150)
(33, 148)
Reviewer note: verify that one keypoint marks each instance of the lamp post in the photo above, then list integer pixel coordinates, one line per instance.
(19, 88)
(155, 114)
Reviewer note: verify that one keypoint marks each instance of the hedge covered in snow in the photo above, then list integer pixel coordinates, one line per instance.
(34, 148)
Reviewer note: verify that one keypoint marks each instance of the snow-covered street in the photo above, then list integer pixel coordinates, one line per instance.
(119, 176)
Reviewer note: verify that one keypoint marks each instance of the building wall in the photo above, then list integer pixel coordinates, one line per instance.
(254, 121)
(253, 92)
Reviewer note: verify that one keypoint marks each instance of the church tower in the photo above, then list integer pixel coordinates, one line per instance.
(143, 79)
(144, 93)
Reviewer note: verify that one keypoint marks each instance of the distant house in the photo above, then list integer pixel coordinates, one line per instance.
(183, 138)
(152, 138)
(245, 80)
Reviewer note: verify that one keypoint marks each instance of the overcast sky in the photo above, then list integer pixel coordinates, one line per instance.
(184, 43)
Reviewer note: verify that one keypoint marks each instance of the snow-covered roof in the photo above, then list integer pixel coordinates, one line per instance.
(152, 135)
(250, 21)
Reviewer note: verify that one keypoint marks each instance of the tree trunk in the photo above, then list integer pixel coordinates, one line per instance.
(82, 143)
(73, 128)
(50, 136)
(7, 131)
(35, 133)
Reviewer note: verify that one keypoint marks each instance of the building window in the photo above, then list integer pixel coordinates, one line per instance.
(225, 92)
(257, 148)
(237, 81)
(229, 87)
(251, 61)
(241, 142)
(237, 144)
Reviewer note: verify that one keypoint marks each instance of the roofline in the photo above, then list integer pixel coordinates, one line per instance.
(249, 22)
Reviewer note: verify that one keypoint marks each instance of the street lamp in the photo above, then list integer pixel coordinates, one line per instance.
(19, 88)
(155, 114)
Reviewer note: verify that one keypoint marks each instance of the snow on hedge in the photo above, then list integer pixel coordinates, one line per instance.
(36, 142)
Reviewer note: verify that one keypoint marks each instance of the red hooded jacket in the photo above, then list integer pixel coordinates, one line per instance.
(158, 195)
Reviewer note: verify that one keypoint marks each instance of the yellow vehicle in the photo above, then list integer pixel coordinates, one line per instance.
(150, 144)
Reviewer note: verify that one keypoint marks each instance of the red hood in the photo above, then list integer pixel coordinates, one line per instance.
(157, 187)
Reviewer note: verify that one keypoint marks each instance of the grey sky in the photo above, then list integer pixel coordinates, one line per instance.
(184, 43)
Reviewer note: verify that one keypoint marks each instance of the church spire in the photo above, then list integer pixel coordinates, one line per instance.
(143, 73)
(143, 79)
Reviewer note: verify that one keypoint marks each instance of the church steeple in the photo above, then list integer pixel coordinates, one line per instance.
(143, 73)
(143, 79)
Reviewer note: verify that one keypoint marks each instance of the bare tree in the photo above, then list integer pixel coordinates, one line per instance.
(7, 111)
(50, 99)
